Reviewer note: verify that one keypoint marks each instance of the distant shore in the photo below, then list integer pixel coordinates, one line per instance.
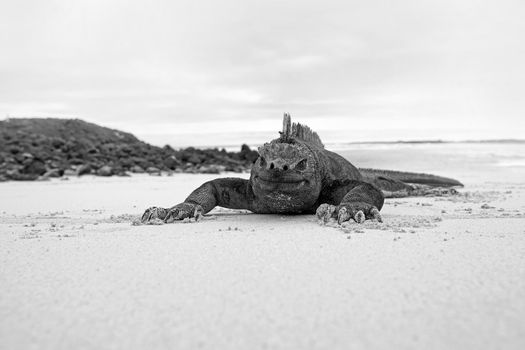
(38, 149)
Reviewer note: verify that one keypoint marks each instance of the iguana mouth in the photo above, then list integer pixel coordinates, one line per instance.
(281, 180)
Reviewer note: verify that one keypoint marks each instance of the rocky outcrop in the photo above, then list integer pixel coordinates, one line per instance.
(35, 148)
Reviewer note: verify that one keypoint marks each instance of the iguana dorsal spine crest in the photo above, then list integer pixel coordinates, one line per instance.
(298, 131)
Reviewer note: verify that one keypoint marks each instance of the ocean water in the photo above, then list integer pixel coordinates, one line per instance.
(468, 162)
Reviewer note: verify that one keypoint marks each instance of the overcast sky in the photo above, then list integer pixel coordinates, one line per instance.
(205, 72)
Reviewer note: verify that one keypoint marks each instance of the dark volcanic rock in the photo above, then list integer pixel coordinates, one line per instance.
(248, 154)
(209, 169)
(171, 162)
(30, 148)
(34, 166)
(84, 169)
(194, 159)
(137, 169)
(105, 171)
(14, 149)
(54, 173)
(153, 171)
(57, 142)
(15, 174)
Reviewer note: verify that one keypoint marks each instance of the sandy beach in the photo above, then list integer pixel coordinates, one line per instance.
(439, 273)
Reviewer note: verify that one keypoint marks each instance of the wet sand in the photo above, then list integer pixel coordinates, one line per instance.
(439, 273)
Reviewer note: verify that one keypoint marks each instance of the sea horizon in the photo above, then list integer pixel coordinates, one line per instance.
(337, 145)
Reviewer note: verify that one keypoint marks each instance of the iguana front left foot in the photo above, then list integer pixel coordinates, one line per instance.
(184, 210)
(153, 213)
(179, 212)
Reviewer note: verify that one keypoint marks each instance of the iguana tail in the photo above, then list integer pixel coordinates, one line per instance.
(410, 178)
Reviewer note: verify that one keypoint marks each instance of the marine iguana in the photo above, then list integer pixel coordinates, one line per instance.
(295, 174)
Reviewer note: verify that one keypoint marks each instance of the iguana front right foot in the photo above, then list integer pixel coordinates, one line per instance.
(357, 211)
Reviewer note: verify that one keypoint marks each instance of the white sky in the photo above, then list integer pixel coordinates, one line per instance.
(219, 72)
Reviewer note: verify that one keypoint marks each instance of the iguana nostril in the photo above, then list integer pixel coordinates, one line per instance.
(285, 167)
(272, 165)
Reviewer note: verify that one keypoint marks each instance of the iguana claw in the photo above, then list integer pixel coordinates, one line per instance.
(198, 213)
(325, 211)
(359, 212)
(376, 215)
(359, 217)
(342, 216)
(184, 210)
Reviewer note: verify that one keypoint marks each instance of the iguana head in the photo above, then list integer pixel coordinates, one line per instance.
(286, 172)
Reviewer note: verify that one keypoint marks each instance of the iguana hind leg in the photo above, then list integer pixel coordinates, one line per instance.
(393, 188)
(388, 184)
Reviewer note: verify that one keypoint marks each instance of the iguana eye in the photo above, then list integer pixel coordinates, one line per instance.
(301, 165)
(262, 161)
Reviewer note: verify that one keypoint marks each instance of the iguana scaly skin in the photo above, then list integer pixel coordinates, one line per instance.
(295, 174)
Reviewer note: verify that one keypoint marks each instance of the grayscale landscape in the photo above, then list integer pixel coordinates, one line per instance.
(109, 108)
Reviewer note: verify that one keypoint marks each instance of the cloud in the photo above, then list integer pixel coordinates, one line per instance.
(411, 65)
